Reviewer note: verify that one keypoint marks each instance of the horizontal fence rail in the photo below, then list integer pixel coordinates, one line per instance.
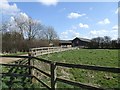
(16, 75)
(44, 84)
(53, 76)
(79, 84)
(88, 67)
(49, 50)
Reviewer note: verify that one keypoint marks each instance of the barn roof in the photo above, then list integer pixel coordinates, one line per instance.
(65, 41)
(83, 39)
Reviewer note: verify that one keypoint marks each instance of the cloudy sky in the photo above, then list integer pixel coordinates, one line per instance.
(69, 19)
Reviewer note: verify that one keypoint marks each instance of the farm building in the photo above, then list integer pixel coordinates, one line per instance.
(65, 43)
(80, 42)
(77, 42)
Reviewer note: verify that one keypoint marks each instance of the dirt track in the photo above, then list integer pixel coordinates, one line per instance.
(8, 60)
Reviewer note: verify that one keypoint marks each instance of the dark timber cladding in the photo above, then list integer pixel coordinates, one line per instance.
(82, 42)
(77, 42)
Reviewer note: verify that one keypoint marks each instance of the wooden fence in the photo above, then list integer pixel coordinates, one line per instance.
(53, 75)
(48, 50)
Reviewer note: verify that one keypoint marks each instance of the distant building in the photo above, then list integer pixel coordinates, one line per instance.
(65, 43)
(80, 42)
(77, 42)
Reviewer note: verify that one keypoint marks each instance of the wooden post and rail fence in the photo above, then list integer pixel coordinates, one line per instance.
(52, 75)
(48, 50)
(29, 63)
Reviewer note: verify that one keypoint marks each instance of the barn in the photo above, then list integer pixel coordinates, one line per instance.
(65, 43)
(76, 42)
(80, 42)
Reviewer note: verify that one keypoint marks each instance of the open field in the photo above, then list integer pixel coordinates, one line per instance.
(98, 57)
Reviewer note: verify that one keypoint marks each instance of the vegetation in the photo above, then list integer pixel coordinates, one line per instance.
(22, 32)
(13, 82)
(104, 42)
(97, 57)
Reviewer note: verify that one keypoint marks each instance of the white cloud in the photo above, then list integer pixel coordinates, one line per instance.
(83, 25)
(105, 21)
(7, 9)
(23, 16)
(48, 2)
(69, 34)
(100, 33)
(74, 33)
(64, 35)
(19, 18)
(75, 15)
(115, 27)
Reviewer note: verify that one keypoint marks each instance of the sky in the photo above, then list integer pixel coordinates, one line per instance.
(69, 19)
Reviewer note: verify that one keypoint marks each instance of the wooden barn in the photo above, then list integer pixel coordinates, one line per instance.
(65, 43)
(77, 42)
(80, 42)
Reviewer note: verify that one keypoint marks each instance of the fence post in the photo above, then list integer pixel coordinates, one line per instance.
(29, 58)
(53, 76)
(29, 63)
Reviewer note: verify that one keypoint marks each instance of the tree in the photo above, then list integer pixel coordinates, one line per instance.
(33, 29)
(114, 43)
(97, 42)
(118, 43)
(50, 34)
(25, 25)
(11, 42)
(107, 41)
(22, 32)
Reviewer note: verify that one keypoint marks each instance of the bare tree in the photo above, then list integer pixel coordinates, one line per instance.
(22, 32)
(50, 34)
(26, 26)
(33, 29)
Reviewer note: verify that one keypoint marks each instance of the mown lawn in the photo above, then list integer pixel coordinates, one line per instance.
(98, 57)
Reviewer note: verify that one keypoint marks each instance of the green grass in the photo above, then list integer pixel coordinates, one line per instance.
(18, 53)
(97, 57)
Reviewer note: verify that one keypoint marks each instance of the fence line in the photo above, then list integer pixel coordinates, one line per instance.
(48, 50)
(53, 76)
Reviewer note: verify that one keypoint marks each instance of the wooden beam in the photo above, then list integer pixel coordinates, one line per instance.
(88, 67)
(79, 84)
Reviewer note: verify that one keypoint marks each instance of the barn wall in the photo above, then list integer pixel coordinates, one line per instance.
(77, 42)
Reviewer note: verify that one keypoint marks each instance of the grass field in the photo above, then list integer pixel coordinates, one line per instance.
(98, 57)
